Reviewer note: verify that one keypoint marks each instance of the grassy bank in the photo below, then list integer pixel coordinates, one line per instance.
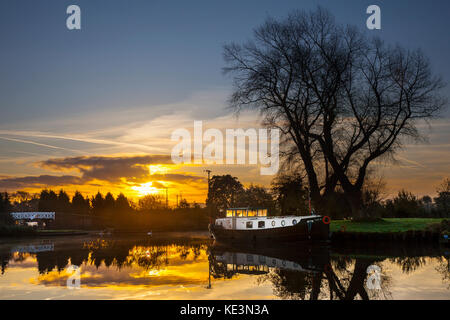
(25, 231)
(388, 225)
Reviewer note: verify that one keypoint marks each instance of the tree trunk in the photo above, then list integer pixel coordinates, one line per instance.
(318, 202)
(355, 202)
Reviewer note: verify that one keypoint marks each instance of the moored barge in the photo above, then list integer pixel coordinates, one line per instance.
(252, 224)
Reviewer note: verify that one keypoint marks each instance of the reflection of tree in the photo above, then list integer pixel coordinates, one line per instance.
(145, 256)
(296, 285)
(343, 279)
(196, 250)
(356, 283)
(444, 269)
(110, 253)
(153, 257)
(349, 283)
(340, 278)
(185, 251)
(409, 264)
(4, 260)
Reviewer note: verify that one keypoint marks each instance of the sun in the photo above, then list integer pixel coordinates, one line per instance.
(148, 188)
(145, 189)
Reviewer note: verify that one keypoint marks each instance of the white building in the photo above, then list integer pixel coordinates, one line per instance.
(33, 218)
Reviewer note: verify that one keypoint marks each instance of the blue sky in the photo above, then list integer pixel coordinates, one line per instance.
(146, 60)
(135, 53)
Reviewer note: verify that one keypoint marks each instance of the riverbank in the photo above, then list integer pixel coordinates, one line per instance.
(384, 225)
(15, 231)
(393, 229)
(54, 233)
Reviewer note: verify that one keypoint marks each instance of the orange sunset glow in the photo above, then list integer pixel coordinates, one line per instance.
(109, 127)
(242, 158)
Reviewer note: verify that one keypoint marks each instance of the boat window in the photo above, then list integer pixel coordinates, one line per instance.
(239, 213)
(249, 224)
(262, 212)
(273, 223)
(229, 213)
(252, 213)
(294, 222)
(261, 224)
(283, 223)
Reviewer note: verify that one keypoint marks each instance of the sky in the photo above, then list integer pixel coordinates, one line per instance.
(94, 109)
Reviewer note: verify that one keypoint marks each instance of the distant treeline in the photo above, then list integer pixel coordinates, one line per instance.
(287, 196)
(120, 213)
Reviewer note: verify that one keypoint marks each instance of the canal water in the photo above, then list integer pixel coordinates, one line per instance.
(192, 266)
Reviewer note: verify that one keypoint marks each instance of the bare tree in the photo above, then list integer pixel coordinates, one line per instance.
(341, 100)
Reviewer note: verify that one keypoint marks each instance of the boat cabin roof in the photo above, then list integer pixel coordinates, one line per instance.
(246, 212)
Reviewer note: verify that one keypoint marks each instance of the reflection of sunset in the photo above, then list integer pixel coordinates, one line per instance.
(143, 267)
(124, 268)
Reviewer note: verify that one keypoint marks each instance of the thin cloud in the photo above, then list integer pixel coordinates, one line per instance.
(39, 144)
(76, 138)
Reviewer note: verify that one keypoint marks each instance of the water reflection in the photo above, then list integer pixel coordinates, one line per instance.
(185, 267)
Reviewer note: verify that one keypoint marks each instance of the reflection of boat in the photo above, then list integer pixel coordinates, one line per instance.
(107, 232)
(247, 224)
(256, 264)
(229, 260)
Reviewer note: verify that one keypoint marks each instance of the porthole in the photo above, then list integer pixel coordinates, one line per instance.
(294, 222)
(283, 223)
(273, 223)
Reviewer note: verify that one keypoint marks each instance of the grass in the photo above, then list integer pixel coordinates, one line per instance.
(384, 225)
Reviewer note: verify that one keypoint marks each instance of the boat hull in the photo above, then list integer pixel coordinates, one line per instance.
(316, 231)
(309, 255)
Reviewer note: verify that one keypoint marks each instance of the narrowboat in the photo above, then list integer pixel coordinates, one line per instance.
(253, 224)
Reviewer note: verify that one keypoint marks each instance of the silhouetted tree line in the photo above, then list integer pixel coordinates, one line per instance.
(5, 208)
(227, 192)
(120, 213)
(289, 195)
(407, 205)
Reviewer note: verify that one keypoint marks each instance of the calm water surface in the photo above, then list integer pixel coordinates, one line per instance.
(190, 266)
